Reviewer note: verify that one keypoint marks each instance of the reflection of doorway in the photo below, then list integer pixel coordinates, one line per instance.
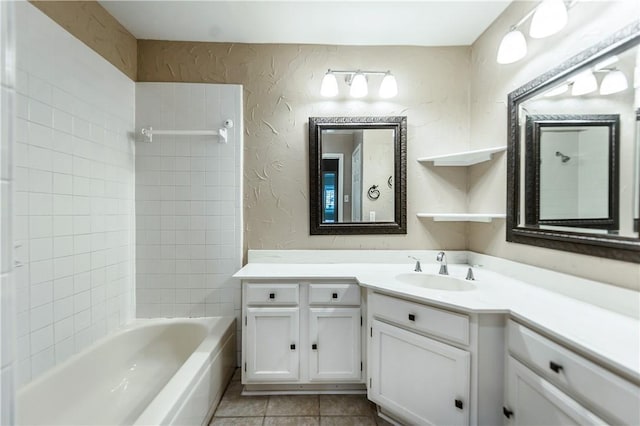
(356, 184)
(332, 187)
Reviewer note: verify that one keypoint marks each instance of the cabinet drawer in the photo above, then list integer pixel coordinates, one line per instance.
(599, 389)
(334, 294)
(437, 322)
(271, 294)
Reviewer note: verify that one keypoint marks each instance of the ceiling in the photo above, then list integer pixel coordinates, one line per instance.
(346, 22)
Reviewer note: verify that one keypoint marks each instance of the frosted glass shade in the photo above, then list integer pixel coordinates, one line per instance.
(615, 81)
(549, 18)
(329, 87)
(388, 87)
(513, 47)
(359, 87)
(584, 83)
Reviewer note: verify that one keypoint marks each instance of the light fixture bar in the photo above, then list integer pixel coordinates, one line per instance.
(356, 71)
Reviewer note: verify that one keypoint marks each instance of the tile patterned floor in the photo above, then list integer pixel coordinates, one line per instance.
(293, 410)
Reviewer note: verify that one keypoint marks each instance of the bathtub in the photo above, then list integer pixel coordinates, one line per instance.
(152, 372)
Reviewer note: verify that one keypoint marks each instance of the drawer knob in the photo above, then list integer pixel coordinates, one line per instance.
(555, 367)
(412, 317)
(507, 413)
(459, 404)
(334, 295)
(293, 347)
(314, 347)
(272, 295)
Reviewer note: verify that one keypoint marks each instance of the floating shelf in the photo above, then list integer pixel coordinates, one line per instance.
(467, 158)
(462, 217)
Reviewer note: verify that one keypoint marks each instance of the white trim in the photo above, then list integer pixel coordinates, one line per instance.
(340, 158)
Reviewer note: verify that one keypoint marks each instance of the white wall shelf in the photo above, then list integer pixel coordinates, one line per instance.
(466, 158)
(462, 217)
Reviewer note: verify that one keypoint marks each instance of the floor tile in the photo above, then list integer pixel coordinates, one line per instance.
(347, 421)
(293, 405)
(237, 376)
(236, 421)
(345, 405)
(292, 421)
(243, 407)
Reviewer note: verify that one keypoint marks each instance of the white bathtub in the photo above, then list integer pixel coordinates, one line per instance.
(158, 371)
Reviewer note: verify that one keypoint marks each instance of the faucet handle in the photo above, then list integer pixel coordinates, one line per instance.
(470, 276)
(417, 268)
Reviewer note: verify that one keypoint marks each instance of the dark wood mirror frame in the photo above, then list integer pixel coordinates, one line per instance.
(316, 126)
(601, 245)
(534, 125)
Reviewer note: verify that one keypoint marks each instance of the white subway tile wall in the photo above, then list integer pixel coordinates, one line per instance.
(74, 195)
(188, 202)
(7, 290)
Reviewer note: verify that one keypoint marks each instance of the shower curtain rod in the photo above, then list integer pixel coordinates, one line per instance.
(148, 132)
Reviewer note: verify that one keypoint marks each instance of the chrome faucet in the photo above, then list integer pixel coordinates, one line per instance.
(441, 258)
(417, 268)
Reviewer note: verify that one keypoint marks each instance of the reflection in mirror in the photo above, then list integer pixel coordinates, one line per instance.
(572, 162)
(574, 153)
(357, 173)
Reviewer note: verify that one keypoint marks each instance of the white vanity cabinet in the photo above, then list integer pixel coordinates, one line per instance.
(424, 363)
(548, 383)
(302, 335)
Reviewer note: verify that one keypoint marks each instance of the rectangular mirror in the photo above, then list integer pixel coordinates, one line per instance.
(357, 174)
(572, 162)
(574, 153)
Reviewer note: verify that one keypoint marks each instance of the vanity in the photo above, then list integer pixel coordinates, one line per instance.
(497, 350)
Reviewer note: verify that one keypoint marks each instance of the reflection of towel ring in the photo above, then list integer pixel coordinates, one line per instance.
(390, 181)
(373, 192)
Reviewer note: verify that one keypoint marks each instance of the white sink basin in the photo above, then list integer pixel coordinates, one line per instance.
(436, 282)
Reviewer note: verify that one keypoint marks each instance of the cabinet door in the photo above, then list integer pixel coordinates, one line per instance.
(272, 344)
(531, 400)
(418, 379)
(334, 339)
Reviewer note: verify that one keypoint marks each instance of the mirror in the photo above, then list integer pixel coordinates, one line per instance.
(574, 153)
(357, 175)
(571, 162)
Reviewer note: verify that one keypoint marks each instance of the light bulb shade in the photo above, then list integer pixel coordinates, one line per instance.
(615, 81)
(513, 47)
(584, 83)
(559, 90)
(549, 18)
(329, 87)
(359, 87)
(388, 87)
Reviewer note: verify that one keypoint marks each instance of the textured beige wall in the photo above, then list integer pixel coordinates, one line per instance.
(589, 22)
(281, 90)
(89, 22)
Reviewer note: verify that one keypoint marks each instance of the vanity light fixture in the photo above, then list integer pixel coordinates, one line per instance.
(584, 83)
(615, 81)
(329, 87)
(358, 82)
(359, 86)
(547, 18)
(513, 47)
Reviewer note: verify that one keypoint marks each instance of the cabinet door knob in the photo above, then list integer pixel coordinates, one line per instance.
(555, 367)
(314, 347)
(293, 347)
(507, 413)
(272, 295)
(412, 317)
(459, 404)
(334, 295)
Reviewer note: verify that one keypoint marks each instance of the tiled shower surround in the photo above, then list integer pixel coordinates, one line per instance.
(188, 205)
(74, 199)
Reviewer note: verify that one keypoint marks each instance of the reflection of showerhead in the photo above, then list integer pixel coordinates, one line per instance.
(564, 158)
